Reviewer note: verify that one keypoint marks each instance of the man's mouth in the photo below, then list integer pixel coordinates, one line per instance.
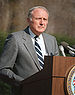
(41, 26)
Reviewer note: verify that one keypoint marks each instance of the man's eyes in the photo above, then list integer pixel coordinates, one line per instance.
(44, 19)
(40, 18)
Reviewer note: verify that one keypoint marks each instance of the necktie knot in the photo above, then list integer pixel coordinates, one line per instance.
(36, 37)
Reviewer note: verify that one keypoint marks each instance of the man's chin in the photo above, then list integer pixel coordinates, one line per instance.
(40, 32)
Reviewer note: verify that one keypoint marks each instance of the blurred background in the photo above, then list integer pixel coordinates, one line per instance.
(13, 14)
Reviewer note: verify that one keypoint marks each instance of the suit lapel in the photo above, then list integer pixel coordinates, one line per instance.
(27, 41)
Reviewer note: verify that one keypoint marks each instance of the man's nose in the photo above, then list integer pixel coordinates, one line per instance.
(41, 22)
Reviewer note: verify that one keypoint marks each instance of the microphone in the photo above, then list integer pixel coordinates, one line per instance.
(71, 53)
(62, 50)
(67, 46)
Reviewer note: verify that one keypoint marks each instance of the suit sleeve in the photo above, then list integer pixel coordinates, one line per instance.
(8, 58)
(56, 50)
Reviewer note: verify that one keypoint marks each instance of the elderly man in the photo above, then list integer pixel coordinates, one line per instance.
(24, 51)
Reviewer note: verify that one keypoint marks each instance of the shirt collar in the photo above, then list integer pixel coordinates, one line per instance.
(33, 35)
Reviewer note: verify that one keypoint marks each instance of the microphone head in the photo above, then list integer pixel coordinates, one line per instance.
(67, 46)
(61, 48)
(64, 44)
(71, 53)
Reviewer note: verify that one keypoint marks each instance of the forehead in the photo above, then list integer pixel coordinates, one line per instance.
(40, 12)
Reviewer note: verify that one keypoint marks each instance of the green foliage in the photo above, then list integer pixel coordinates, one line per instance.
(3, 36)
(66, 38)
(4, 88)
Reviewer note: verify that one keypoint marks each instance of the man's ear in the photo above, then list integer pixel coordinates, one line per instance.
(28, 20)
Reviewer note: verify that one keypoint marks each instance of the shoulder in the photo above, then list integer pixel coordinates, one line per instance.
(48, 36)
(18, 33)
(14, 36)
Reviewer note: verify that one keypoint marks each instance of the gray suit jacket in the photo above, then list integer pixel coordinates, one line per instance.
(18, 59)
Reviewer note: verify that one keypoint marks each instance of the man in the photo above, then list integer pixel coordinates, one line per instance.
(19, 59)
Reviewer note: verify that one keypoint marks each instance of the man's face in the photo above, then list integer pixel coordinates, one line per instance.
(39, 21)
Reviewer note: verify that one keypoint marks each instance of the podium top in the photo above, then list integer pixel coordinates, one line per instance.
(61, 65)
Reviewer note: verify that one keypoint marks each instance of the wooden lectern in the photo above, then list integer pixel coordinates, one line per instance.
(51, 79)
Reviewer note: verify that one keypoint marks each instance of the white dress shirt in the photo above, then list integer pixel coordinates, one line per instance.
(40, 41)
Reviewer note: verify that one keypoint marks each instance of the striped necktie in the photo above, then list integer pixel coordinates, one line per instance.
(39, 53)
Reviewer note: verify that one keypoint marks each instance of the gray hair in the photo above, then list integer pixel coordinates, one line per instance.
(30, 11)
